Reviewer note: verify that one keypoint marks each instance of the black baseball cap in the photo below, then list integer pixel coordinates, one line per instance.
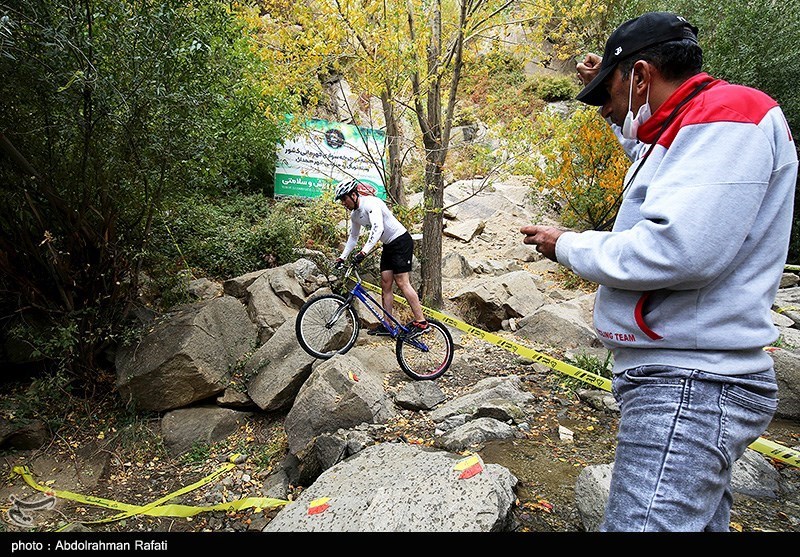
(631, 37)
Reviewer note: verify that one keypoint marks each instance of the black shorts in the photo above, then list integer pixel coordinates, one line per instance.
(397, 254)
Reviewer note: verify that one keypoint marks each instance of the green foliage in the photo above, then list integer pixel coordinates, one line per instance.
(552, 88)
(781, 342)
(47, 398)
(416, 177)
(571, 281)
(264, 445)
(504, 66)
(116, 111)
(199, 452)
(317, 221)
(590, 363)
(465, 115)
(227, 236)
(268, 455)
(410, 217)
(138, 433)
(473, 159)
(49, 342)
(487, 82)
(736, 48)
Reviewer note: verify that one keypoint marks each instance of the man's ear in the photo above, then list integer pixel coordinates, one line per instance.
(642, 75)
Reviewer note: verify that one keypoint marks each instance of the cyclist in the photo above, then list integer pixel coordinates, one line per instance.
(398, 247)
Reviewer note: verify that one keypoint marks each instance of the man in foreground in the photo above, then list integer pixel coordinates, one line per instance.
(687, 275)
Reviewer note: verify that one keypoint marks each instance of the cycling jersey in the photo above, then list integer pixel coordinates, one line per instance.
(383, 226)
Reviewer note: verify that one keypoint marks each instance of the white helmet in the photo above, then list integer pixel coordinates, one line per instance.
(343, 188)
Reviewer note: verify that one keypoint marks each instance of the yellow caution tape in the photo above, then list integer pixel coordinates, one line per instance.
(792, 267)
(156, 508)
(518, 349)
(776, 451)
(766, 447)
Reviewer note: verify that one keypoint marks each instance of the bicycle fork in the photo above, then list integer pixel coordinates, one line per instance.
(338, 313)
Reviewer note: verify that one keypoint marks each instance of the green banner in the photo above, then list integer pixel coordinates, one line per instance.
(326, 153)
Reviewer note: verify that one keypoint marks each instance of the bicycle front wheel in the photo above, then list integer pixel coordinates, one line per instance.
(427, 355)
(326, 325)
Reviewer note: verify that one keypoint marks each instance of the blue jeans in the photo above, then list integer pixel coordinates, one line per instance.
(680, 432)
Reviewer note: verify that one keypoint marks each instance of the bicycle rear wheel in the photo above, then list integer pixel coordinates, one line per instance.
(326, 325)
(428, 355)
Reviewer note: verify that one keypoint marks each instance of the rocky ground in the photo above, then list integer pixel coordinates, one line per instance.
(118, 457)
(545, 462)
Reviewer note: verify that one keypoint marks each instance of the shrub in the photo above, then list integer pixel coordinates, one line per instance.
(583, 169)
(552, 88)
(200, 451)
(590, 363)
(47, 397)
(410, 217)
(226, 237)
(317, 219)
(473, 159)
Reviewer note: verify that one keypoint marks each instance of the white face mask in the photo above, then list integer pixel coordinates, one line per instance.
(631, 125)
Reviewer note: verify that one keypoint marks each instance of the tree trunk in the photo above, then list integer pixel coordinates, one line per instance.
(394, 176)
(433, 197)
(435, 124)
(431, 260)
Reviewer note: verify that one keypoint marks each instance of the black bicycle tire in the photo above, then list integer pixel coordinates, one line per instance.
(304, 311)
(403, 345)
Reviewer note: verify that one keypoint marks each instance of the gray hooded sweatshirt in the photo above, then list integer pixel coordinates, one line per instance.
(689, 272)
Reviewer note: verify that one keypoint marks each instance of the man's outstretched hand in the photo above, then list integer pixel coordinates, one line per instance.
(543, 237)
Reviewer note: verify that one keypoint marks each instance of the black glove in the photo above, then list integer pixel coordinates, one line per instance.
(359, 257)
(338, 264)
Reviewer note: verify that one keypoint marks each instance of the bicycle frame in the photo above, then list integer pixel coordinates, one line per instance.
(328, 324)
(359, 292)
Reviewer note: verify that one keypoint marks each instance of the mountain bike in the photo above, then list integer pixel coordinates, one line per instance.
(328, 324)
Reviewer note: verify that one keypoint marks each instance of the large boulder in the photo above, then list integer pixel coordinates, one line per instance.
(566, 324)
(394, 487)
(340, 393)
(787, 373)
(494, 300)
(267, 309)
(471, 199)
(507, 390)
(278, 370)
(181, 429)
(187, 357)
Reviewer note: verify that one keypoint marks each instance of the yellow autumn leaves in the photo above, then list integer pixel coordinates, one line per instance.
(583, 169)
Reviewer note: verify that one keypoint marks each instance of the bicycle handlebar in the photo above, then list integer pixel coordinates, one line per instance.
(352, 269)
